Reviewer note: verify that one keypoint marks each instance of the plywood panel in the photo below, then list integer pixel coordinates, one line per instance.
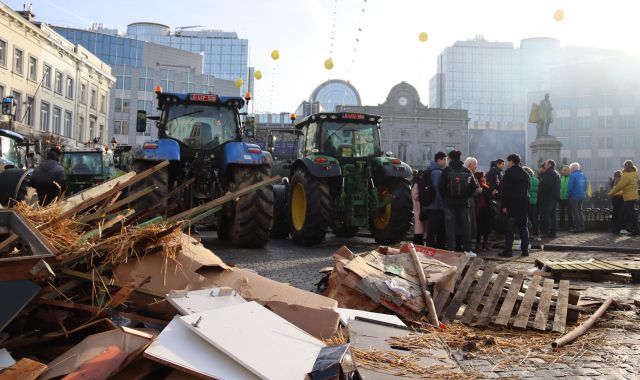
(350, 314)
(260, 340)
(199, 301)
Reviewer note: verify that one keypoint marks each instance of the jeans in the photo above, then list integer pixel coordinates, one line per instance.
(565, 213)
(548, 217)
(628, 218)
(617, 204)
(521, 224)
(456, 218)
(435, 229)
(576, 214)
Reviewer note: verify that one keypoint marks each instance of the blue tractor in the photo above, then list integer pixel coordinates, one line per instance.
(202, 137)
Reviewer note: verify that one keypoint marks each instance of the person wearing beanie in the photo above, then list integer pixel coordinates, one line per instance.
(49, 179)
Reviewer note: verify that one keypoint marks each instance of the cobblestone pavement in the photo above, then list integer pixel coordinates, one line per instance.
(596, 239)
(616, 354)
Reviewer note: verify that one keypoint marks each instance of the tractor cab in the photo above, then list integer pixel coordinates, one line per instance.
(87, 167)
(10, 156)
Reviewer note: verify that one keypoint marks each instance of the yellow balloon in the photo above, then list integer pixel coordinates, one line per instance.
(239, 82)
(257, 75)
(275, 55)
(423, 36)
(558, 15)
(328, 64)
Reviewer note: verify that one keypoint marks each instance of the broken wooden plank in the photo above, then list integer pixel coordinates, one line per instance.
(443, 295)
(542, 312)
(492, 301)
(462, 290)
(24, 369)
(525, 307)
(480, 288)
(8, 242)
(560, 318)
(509, 301)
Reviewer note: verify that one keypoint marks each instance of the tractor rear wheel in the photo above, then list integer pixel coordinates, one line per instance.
(310, 203)
(281, 220)
(13, 185)
(252, 214)
(391, 223)
(153, 200)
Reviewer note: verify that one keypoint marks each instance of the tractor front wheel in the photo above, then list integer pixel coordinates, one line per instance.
(309, 203)
(391, 223)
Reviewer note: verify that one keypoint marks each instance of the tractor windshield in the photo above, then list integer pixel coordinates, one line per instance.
(350, 140)
(200, 126)
(82, 163)
(9, 151)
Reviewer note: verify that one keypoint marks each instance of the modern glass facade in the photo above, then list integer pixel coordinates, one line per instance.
(334, 93)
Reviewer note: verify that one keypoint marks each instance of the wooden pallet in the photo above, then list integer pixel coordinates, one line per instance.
(496, 298)
(591, 268)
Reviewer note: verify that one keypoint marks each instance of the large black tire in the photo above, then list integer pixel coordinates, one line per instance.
(252, 214)
(159, 179)
(390, 224)
(281, 216)
(13, 185)
(310, 208)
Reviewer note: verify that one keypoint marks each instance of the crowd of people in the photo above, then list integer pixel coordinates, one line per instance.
(455, 203)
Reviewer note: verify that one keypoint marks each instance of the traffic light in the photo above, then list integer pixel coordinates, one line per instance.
(8, 106)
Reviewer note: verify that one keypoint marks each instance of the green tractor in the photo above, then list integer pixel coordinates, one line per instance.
(341, 180)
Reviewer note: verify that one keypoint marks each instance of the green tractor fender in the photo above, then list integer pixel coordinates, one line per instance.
(385, 167)
(318, 165)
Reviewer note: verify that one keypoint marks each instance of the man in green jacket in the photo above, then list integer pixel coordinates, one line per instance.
(534, 214)
(564, 199)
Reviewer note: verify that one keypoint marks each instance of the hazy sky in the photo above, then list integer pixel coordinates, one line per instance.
(388, 51)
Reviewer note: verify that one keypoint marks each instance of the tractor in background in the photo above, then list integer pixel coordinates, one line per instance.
(341, 180)
(202, 137)
(14, 178)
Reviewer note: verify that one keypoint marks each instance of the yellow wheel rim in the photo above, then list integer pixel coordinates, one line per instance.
(298, 207)
(382, 218)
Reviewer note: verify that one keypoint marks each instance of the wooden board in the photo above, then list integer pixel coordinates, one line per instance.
(462, 290)
(480, 288)
(443, 295)
(560, 319)
(540, 323)
(246, 331)
(492, 301)
(524, 311)
(180, 348)
(509, 301)
(24, 369)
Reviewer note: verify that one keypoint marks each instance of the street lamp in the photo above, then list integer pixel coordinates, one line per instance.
(9, 109)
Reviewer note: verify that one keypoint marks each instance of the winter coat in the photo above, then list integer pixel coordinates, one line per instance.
(418, 225)
(627, 187)
(44, 179)
(564, 188)
(436, 171)
(577, 187)
(455, 166)
(515, 192)
(494, 178)
(549, 187)
(533, 191)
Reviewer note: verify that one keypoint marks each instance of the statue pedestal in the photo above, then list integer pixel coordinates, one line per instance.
(545, 148)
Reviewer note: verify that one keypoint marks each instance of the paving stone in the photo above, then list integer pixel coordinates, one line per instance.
(584, 372)
(516, 374)
(550, 373)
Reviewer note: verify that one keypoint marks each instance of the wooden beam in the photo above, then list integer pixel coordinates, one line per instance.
(8, 242)
(24, 369)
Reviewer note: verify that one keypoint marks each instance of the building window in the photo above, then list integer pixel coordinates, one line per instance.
(70, 88)
(123, 82)
(18, 61)
(92, 130)
(121, 127)
(122, 105)
(67, 124)
(627, 121)
(103, 103)
(33, 68)
(626, 142)
(17, 97)
(584, 142)
(57, 113)
(3, 53)
(145, 105)
(80, 129)
(1, 91)
(45, 108)
(145, 84)
(31, 112)
(93, 99)
(426, 154)
(605, 122)
(605, 142)
(83, 93)
(46, 76)
(449, 148)
(584, 122)
(402, 152)
(58, 83)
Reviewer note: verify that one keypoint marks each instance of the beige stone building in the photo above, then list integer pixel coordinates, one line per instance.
(61, 89)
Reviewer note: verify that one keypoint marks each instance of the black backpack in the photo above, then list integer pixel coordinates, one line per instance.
(426, 191)
(458, 184)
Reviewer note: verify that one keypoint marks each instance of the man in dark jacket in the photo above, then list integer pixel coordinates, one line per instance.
(494, 177)
(48, 179)
(549, 193)
(515, 204)
(434, 210)
(456, 186)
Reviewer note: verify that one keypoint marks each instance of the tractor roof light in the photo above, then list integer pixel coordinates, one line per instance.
(323, 117)
(157, 89)
(247, 96)
(292, 116)
(333, 117)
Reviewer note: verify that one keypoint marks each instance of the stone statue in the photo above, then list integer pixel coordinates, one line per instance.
(544, 117)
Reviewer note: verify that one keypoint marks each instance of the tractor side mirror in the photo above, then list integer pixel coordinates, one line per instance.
(271, 143)
(250, 127)
(141, 121)
(388, 154)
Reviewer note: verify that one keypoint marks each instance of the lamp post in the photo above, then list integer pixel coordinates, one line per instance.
(9, 109)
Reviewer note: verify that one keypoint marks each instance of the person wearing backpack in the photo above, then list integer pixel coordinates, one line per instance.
(456, 186)
(431, 202)
(515, 204)
(418, 224)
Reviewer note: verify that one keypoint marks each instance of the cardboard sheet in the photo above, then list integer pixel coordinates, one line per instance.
(321, 323)
(127, 339)
(349, 314)
(180, 348)
(5, 359)
(261, 341)
(198, 301)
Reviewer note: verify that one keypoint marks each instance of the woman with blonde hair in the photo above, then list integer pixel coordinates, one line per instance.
(627, 186)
